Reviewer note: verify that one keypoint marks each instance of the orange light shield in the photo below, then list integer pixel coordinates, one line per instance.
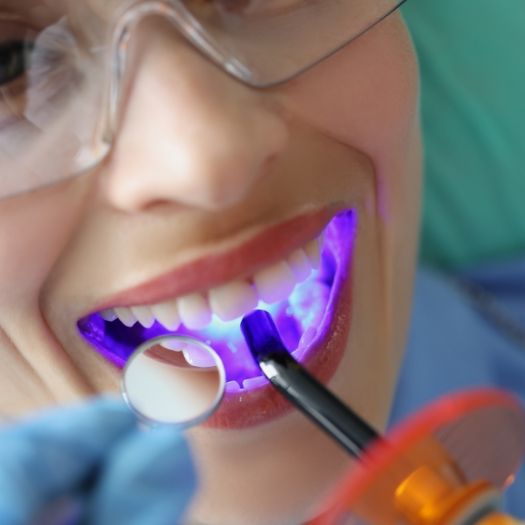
(442, 466)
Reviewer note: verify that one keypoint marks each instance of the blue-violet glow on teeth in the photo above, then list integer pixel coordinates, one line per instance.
(298, 291)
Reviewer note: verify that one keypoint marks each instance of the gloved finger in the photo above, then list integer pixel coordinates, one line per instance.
(149, 480)
(47, 457)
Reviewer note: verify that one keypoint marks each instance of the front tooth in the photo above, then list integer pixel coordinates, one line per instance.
(199, 358)
(171, 344)
(194, 356)
(275, 283)
(232, 300)
(126, 316)
(144, 315)
(298, 353)
(108, 315)
(254, 382)
(300, 265)
(167, 314)
(313, 252)
(232, 386)
(307, 337)
(194, 311)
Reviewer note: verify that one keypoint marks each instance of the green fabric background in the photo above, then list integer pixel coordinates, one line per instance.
(472, 57)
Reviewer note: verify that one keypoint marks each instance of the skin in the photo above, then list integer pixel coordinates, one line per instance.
(347, 128)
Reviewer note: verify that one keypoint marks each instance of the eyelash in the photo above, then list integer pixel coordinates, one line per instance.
(36, 67)
(13, 60)
(16, 46)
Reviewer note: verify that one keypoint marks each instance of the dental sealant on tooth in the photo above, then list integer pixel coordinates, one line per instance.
(303, 390)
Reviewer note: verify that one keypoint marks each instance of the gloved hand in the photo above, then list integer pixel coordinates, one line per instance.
(137, 477)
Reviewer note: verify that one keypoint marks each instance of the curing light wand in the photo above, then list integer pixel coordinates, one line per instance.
(302, 389)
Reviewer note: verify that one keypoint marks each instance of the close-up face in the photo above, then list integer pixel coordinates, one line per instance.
(214, 197)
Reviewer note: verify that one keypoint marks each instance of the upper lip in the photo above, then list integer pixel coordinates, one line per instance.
(262, 249)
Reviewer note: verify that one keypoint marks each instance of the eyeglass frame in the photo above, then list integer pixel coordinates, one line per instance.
(125, 21)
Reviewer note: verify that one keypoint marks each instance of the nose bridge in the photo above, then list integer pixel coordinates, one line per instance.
(126, 19)
(132, 13)
(187, 131)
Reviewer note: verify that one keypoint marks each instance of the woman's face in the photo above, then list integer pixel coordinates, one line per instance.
(211, 183)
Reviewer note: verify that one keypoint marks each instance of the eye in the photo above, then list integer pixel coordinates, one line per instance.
(14, 60)
(36, 64)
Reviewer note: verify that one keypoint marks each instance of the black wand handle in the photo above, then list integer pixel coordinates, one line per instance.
(310, 396)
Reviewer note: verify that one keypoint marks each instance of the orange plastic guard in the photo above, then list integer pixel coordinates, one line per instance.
(462, 450)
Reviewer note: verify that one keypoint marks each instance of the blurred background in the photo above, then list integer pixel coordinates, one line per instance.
(468, 324)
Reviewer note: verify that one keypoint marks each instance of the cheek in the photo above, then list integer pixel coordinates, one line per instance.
(366, 94)
(34, 228)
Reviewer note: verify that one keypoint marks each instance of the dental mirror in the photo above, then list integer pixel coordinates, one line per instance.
(174, 380)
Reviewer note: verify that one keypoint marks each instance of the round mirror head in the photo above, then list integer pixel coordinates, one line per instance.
(174, 380)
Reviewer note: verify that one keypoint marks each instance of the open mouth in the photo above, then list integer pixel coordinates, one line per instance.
(301, 292)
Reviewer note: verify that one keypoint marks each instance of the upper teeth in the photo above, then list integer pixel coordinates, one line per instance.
(228, 301)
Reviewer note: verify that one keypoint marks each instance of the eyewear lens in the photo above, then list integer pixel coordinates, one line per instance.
(57, 66)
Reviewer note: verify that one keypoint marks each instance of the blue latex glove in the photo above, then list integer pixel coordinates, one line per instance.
(142, 477)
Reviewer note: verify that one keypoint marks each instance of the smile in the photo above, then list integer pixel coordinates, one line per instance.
(307, 292)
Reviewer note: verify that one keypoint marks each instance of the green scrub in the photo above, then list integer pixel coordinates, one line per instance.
(472, 56)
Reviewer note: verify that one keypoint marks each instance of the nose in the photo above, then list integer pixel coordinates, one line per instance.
(189, 133)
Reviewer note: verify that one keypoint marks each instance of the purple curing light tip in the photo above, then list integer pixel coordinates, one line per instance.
(261, 334)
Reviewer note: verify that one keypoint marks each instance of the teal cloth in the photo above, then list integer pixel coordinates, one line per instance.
(472, 58)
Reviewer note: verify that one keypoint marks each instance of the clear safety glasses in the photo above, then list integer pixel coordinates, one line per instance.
(62, 64)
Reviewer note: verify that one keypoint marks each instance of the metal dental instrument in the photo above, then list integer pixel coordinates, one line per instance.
(173, 380)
